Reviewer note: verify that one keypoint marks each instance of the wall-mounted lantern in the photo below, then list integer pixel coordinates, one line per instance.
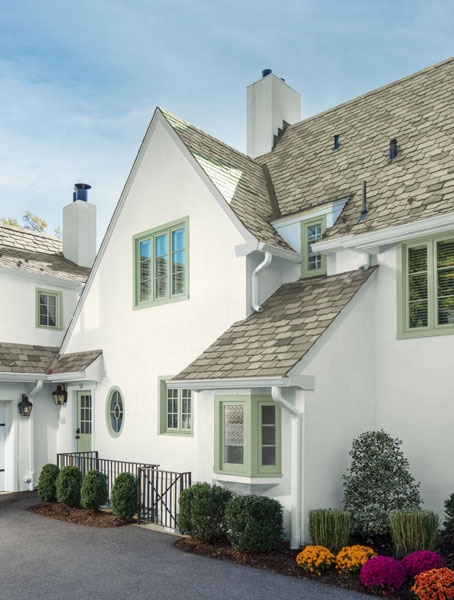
(60, 395)
(25, 406)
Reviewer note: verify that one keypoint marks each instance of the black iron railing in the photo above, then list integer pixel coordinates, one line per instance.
(87, 461)
(158, 496)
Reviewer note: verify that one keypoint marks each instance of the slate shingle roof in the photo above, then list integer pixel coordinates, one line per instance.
(272, 342)
(241, 181)
(417, 110)
(43, 360)
(24, 358)
(73, 362)
(26, 250)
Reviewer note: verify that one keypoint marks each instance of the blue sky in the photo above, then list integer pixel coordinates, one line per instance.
(79, 80)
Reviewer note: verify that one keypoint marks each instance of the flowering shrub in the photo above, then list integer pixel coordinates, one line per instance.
(422, 560)
(383, 574)
(436, 584)
(351, 558)
(316, 559)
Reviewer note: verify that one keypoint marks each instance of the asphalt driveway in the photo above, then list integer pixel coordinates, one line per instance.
(41, 558)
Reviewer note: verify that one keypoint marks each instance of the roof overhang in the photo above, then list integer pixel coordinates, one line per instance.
(94, 372)
(41, 278)
(304, 382)
(375, 241)
(256, 246)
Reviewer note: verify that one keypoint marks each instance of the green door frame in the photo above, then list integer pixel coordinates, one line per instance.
(84, 421)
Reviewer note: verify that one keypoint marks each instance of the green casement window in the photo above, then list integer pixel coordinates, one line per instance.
(48, 309)
(175, 409)
(115, 412)
(426, 288)
(161, 264)
(311, 231)
(248, 433)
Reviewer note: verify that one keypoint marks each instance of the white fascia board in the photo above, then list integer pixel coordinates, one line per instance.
(256, 246)
(22, 377)
(305, 382)
(42, 279)
(371, 242)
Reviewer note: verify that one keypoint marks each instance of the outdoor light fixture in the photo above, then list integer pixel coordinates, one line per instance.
(60, 396)
(25, 407)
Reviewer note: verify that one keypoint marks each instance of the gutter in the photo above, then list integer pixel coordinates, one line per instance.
(305, 382)
(254, 281)
(297, 466)
(31, 440)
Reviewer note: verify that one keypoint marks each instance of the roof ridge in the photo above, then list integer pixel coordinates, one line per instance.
(370, 93)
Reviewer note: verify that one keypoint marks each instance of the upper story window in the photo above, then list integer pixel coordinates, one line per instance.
(115, 412)
(426, 288)
(248, 436)
(161, 264)
(175, 409)
(48, 309)
(311, 231)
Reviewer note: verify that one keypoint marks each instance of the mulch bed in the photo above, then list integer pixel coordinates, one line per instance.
(80, 516)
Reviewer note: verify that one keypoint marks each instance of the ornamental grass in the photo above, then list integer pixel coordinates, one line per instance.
(436, 584)
(351, 558)
(316, 559)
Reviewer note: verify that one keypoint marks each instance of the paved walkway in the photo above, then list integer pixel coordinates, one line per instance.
(45, 559)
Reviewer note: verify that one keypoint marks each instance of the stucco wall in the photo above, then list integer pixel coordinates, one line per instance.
(140, 345)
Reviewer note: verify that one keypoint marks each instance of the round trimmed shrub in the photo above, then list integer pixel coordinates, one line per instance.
(422, 560)
(69, 482)
(123, 498)
(202, 511)
(254, 523)
(94, 492)
(383, 574)
(47, 483)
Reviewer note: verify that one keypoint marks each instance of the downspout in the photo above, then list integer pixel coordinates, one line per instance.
(30, 479)
(254, 281)
(366, 263)
(297, 462)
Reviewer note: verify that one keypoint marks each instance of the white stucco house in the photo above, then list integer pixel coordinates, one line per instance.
(247, 316)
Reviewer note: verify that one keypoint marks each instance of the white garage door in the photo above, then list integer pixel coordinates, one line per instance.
(2, 446)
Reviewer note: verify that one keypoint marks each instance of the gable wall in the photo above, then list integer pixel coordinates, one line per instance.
(139, 345)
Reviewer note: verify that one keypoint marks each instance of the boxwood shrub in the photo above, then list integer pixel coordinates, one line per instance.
(46, 483)
(94, 492)
(68, 486)
(123, 498)
(254, 523)
(202, 511)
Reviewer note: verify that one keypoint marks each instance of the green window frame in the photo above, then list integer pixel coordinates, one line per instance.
(48, 309)
(313, 263)
(425, 288)
(161, 264)
(247, 436)
(176, 409)
(115, 412)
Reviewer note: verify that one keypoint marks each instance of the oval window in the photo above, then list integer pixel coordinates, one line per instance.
(115, 412)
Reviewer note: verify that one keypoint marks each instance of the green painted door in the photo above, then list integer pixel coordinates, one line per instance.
(84, 422)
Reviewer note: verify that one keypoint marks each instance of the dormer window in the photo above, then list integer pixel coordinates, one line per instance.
(313, 263)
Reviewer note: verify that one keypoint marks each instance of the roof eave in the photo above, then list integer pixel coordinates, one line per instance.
(371, 242)
(304, 382)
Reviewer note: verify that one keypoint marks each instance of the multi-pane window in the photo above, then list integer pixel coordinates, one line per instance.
(176, 410)
(313, 262)
(161, 261)
(427, 288)
(115, 412)
(248, 436)
(48, 309)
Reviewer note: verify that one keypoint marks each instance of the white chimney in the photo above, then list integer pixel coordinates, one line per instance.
(270, 104)
(79, 228)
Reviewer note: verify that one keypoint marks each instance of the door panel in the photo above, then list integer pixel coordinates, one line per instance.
(2, 446)
(84, 421)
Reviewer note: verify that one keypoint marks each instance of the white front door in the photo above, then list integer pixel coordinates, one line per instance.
(2, 446)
